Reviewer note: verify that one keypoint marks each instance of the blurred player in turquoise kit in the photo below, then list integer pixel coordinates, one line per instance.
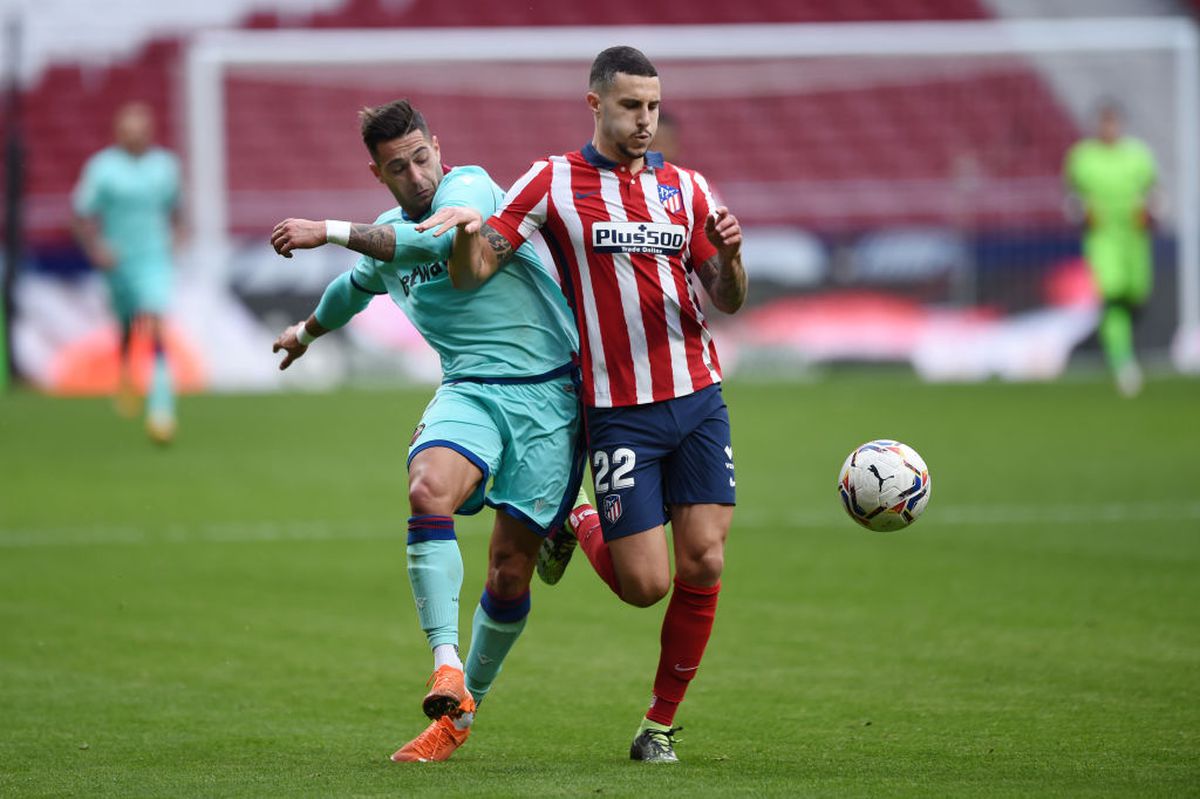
(507, 410)
(126, 219)
(1113, 177)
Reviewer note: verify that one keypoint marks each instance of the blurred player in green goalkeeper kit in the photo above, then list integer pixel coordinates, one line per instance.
(1112, 176)
(507, 410)
(126, 211)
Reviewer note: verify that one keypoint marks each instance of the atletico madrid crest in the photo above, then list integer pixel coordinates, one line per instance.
(612, 508)
(671, 199)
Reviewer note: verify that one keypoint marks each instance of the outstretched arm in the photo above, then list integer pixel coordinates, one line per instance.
(723, 276)
(374, 241)
(343, 298)
(478, 250)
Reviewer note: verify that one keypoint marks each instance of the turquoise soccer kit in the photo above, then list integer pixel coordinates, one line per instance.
(508, 403)
(133, 197)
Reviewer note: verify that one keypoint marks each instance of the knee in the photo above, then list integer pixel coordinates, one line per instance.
(427, 495)
(645, 590)
(509, 573)
(703, 568)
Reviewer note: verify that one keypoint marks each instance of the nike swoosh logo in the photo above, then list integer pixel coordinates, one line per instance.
(689, 668)
(581, 195)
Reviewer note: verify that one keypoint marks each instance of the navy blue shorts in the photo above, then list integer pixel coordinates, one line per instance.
(648, 457)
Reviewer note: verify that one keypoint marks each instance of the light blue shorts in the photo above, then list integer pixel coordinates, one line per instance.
(526, 438)
(139, 287)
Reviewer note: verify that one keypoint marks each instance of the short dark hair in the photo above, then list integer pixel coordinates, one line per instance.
(628, 60)
(390, 121)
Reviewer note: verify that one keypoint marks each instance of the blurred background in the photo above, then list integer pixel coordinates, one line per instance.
(897, 165)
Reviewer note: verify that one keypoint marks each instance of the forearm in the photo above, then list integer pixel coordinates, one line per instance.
(725, 281)
(87, 234)
(475, 257)
(340, 302)
(466, 263)
(373, 241)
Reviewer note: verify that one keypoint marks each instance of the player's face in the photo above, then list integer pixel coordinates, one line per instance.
(1110, 125)
(134, 128)
(411, 168)
(626, 115)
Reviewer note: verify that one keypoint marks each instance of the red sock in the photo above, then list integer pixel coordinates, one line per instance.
(686, 627)
(586, 522)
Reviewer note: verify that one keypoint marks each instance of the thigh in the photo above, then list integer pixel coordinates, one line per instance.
(542, 462)
(698, 533)
(456, 421)
(627, 448)
(1141, 268)
(700, 470)
(1104, 252)
(150, 287)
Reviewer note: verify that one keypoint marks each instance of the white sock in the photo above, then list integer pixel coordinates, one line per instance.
(446, 655)
(463, 721)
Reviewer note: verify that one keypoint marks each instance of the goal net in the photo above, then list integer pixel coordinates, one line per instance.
(900, 184)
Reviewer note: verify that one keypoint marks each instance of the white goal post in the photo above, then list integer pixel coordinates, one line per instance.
(211, 55)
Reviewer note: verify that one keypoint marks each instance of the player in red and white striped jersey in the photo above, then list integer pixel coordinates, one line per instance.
(628, 233)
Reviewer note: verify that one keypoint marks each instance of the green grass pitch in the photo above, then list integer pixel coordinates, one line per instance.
(231, 616)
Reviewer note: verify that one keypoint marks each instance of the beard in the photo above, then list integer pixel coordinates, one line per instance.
(633, 152)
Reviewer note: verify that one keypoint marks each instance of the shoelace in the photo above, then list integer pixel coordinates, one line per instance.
(427, 743)
(662, 740)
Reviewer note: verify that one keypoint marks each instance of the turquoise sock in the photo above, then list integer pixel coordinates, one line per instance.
(161, 400)
(435, 571)
(496, 626)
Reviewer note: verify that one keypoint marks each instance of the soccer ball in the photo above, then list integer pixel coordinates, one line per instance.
(884, 485)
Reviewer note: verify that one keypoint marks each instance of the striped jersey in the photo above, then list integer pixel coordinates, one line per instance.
(625, 246)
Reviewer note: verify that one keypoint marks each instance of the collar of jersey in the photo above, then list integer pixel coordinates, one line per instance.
(654, 159)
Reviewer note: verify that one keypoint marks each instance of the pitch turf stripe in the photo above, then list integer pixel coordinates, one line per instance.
(265, 532)
(988, 515)
(227, 532)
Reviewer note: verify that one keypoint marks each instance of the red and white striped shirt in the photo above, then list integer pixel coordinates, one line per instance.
(625, 246)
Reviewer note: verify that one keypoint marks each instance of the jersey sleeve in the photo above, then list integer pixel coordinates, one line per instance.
(85, 200)
(343, 298)
(523, 210)
(175, 187)
(1149, 169)
(365, 276)
(700, 249)
(464, 187)
(1071, 168)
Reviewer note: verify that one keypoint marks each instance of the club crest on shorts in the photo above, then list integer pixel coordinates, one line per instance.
(417, 433)
(612, 508)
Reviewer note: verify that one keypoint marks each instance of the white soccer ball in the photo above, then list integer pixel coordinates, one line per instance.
(884, 485)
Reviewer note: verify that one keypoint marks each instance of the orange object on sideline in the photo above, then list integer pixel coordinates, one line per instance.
(89, 366)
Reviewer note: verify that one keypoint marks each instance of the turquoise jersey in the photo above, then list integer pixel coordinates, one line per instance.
(515, 325)
(133, 196)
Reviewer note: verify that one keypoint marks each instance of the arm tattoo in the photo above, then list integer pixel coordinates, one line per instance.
(498, 243)
(374, 241)
(725, 283)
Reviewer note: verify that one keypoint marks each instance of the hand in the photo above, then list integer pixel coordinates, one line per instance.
(297, 234)
(724, 232)
(288, 343)
(467, 219)
(1143, 218)
(102, 257)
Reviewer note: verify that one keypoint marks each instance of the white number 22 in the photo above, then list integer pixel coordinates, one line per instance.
(623, 461)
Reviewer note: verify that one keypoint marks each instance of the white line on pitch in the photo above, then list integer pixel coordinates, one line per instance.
(388, 529)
